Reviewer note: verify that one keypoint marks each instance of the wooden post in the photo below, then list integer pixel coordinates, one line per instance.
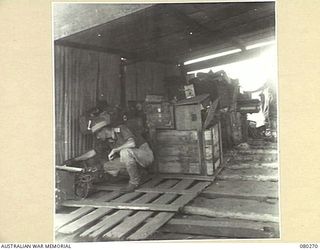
(123, 83)
(183, 72)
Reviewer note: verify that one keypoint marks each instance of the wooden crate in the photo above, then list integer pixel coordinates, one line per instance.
(189, 151)
(188, 117)
(188, 112)
(179, 151)
(212, 149)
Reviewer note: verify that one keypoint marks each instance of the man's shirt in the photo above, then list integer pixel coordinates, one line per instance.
(122, 134)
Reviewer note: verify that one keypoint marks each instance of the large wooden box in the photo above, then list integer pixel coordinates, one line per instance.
(189, 151)
(178, 151)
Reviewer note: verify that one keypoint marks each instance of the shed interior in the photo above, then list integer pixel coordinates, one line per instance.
(128, 56)
(118, 55)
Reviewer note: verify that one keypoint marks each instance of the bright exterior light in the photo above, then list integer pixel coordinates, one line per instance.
(252, 73)
(229, 52)
(258, 45)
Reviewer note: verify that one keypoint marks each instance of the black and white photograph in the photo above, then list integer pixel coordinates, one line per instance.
(165, 121)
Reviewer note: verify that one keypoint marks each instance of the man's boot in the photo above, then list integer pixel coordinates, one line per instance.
(135, 177)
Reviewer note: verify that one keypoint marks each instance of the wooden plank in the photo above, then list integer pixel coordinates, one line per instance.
(94, 215)
(76, 214)
(186, 177)
(230, 228)
(234, 208)
(177, 236)
(251, 151)
(254, 158)
(150, 227)
(121, 205)
(242, 189)
(199, 187)
(178, 150)
(253, 165)
(179, 166)
(152, 183)
(220, 142)
(164, 190)
(185, 199)
(169, 137)
(115, 188)
(124, 228)
(118, 187)
(110, 221)
(211, 113)
(264, 147)
(249, 174)
(179, 158)
(180, 188)
(160, 219)
(183, 184)
(128, 225)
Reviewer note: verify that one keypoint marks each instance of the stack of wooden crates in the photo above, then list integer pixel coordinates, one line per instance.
(194, 146)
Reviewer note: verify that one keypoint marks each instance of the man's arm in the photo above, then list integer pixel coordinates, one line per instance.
(86, 155)
(130, 143)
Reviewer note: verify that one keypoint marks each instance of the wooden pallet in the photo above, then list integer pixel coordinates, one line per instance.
(130, 216)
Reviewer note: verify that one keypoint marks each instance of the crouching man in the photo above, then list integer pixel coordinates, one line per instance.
(133, 150)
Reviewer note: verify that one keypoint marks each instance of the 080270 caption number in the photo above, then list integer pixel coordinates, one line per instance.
(309, 246)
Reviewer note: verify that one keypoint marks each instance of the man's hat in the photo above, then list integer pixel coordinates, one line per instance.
(99, 125)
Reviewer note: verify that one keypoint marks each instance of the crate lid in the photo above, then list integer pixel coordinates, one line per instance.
(210, 117)
(193, 100)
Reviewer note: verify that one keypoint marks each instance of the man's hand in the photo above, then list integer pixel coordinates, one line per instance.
(112, 154)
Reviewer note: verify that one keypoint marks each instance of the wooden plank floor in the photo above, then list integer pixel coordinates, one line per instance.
(116, 216)
(242, 202)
